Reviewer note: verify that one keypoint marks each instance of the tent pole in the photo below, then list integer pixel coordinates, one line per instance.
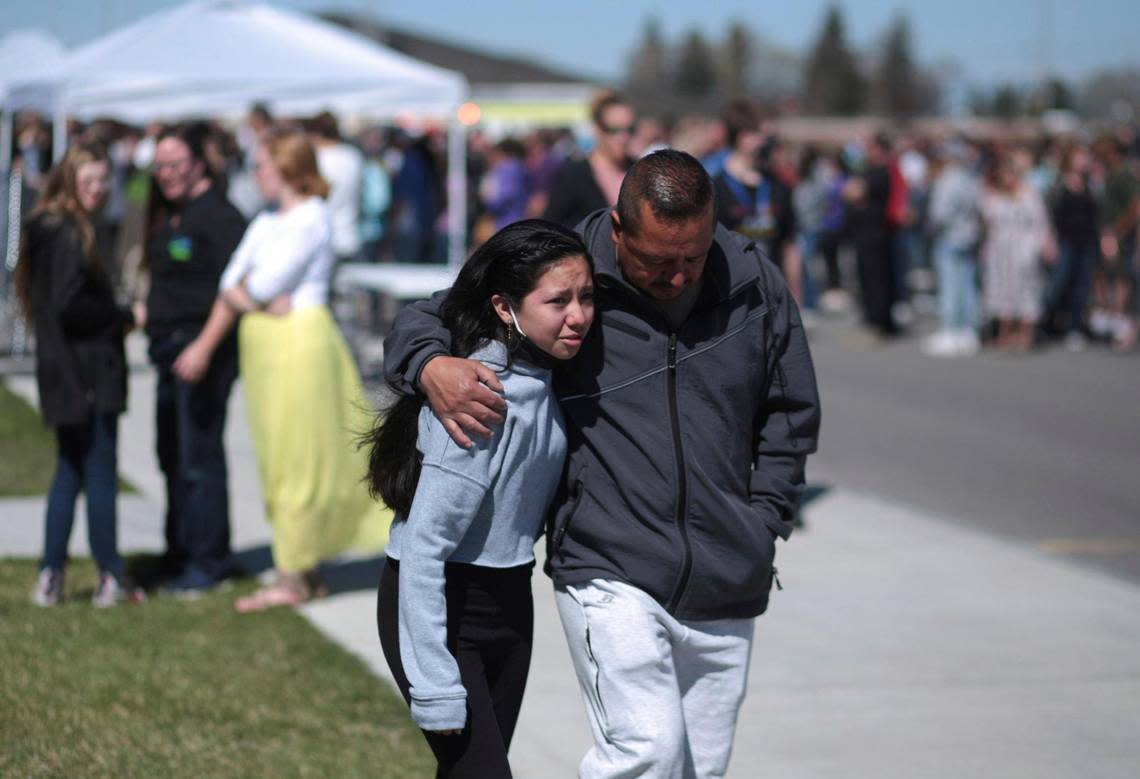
(59, 133)
(6, 140)
(456, 193)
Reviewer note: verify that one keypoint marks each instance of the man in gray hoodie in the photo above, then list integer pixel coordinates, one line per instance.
(690, 412)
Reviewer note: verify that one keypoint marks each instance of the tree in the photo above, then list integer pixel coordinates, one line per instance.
(1113, 93)
(736, 60)
(896, 80)
(696, 68)
(832, 82)
(1058, 95)
(1006, 102)
(647, 66)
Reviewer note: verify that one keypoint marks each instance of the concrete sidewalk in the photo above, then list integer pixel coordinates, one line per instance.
(902, 646)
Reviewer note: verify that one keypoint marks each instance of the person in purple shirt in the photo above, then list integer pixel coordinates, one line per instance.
(505, 190)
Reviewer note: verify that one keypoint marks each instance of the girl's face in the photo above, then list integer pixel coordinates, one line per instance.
(92, 182)
(268, 178)
(557, 313)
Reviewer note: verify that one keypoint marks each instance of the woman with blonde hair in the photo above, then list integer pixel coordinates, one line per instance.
(305, 401)
(81, 369)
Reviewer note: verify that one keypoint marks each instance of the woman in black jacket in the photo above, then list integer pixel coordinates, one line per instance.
(582, 186)
(81, 369)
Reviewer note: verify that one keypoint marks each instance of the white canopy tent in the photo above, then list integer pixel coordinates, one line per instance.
(22, 52)
(216, 57)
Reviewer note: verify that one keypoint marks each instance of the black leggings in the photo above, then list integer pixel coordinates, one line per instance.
(490, 623)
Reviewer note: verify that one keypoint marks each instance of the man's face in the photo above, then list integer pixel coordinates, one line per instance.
(661, 258)
(175, 169)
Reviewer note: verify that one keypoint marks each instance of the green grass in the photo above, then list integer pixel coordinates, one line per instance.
(186, 689)
(27, 449)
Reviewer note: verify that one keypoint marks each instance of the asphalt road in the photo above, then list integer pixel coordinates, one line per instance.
(1043, 449)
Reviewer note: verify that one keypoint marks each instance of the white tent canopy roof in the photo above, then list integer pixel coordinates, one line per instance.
(212, 57)
(26, 51)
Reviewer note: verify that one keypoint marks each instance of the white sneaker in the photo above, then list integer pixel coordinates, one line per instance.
(834, 301)
(1075, 342)
(49, 587)
(1099, 322)
(944, 343)
(113, 590)
(967, 342)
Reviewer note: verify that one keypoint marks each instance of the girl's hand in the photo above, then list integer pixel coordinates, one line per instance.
(280, 305)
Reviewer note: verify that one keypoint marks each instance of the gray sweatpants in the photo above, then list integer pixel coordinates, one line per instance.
(661, 695)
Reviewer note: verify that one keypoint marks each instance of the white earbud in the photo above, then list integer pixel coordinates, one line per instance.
(516, 321)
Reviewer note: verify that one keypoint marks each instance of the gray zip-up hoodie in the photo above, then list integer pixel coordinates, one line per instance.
(686, 448)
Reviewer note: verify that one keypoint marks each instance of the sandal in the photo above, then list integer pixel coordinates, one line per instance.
(288, 589)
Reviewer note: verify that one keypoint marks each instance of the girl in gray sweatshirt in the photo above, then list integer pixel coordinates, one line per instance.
(454, 607)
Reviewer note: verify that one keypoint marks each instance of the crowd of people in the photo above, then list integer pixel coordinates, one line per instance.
(1013, 244)
(1019, 243)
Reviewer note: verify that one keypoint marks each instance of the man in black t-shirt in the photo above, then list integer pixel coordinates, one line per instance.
(190, 240)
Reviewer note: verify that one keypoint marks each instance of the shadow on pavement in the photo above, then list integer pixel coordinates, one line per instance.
(339, 575)
(352, 575)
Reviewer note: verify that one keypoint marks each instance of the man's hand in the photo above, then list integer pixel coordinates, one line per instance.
(193, 362)
(463, 394)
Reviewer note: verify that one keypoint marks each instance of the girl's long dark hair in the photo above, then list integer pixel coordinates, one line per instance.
(509, 264)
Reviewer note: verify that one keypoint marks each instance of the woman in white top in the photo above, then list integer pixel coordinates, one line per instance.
(1018, 238)
(304, 398)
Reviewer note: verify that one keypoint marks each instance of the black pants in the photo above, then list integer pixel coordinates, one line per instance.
(490, 624)
(829, 248)
(190, 421)
(874, 255)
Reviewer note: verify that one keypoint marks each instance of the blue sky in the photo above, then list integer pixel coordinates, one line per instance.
(993, 40)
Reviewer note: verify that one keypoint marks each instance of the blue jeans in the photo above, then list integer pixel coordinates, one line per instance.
(190, 423)
(957, 287)
(809, 245)
(86, 462)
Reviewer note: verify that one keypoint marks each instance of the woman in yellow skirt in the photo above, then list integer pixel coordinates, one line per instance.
(305, 402)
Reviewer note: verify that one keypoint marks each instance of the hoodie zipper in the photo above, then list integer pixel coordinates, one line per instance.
(682, 483)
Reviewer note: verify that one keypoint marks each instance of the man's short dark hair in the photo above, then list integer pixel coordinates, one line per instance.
(674, 184)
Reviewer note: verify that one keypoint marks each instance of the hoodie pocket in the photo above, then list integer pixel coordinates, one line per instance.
(564, 516)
